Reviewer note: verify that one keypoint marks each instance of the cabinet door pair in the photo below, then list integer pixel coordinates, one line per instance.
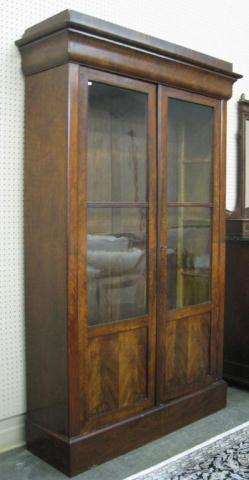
(148, 234)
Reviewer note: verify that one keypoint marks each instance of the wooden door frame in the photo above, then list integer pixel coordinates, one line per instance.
(149, 321)
(164, 93)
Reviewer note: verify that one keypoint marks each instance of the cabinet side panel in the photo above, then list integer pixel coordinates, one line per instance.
(46, 247)
(236, 339)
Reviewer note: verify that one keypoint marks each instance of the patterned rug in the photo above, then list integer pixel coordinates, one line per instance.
(220, 458)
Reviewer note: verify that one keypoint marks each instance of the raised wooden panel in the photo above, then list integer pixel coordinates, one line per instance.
(185, 355)
(103, 378)
(118, 371)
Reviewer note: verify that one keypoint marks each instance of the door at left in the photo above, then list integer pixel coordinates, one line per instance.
(117, 246)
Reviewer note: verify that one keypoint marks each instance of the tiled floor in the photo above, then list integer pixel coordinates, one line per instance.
(21, 465)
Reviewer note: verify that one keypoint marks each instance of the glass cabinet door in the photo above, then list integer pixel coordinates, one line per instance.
(117, 192)
(188, 229)
(189, 169)
(188, 263)
(117, 247)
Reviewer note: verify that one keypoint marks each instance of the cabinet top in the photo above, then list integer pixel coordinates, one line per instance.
(74, 37)
(70, 19)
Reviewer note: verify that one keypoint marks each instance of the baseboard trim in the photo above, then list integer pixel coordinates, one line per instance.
(76, 454)
(12, 433)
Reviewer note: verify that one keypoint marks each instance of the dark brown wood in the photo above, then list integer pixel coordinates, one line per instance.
(46, 248)
(194, 329)
(236, 352)
(72, 246)
(185, 356)
(87, 450)
(42, 49)
(101, 384)
(162, 231)
(118, 371)
(237, 227)
(95, 26)
(104, 402)
(220, 295)
(82, 248)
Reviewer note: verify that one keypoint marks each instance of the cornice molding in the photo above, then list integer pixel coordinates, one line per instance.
(73, 37)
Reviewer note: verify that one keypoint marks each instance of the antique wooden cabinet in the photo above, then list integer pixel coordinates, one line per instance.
(124, 234)
(236, 351)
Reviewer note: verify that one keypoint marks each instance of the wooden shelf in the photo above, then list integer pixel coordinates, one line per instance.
(190, 273)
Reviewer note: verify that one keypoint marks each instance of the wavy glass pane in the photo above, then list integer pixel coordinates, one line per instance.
(190, 142)
(117, 144)
(188, 256)
(116, 264)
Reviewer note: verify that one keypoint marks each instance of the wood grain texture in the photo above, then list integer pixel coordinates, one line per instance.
(78, 454)
(221, 235)
(70, 46)
(46, 248)
(82, 245)
(133, 361)
(190, 338)
(96, 26)
(130, 367)
(72, 250)
(92, 384)
(185, 356)
(118, 367)
(103, 367)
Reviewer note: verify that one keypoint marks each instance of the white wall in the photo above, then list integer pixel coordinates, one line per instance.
(218, 28)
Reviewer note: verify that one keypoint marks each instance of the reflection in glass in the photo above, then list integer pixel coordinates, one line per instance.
(190, 138)
(188, 260)
(247, 166)
(117, 144)
(116, 264)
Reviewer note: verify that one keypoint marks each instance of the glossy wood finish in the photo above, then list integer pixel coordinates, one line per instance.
(66, 38)
(46, 248)
(217, 350)
(102, 365)
(185, 355)
(118, 371)
(96, 26)
(73, 213)
(82, 452)
(98, 389)
(186, 333)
